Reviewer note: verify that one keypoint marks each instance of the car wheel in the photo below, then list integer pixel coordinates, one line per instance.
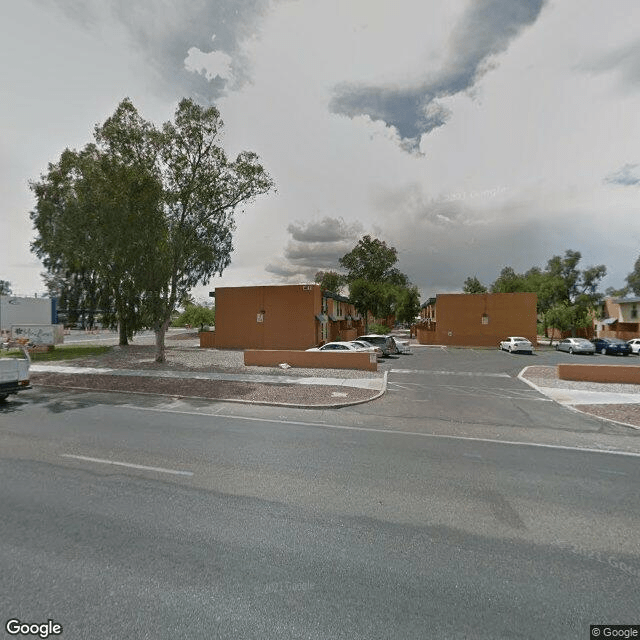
(603, 351)
(571, 350)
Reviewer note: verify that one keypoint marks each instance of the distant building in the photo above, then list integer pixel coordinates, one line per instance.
(281, 317)
(477, 319)
(618, 318)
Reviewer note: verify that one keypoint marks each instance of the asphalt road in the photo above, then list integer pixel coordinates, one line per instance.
(461, 505)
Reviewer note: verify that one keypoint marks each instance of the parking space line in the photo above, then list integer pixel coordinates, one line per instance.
(130, 465)
(452, 373)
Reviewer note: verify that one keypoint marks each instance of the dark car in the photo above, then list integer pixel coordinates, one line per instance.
(611, 346)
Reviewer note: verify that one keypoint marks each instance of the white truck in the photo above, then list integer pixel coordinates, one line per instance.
(14, 375)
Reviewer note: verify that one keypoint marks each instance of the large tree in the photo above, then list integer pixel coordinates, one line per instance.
(473, 285)
(376, 285)
(371, 260)
(566, 293)
(329, 280)
(633, 279)
(170, 193)
(99, 226)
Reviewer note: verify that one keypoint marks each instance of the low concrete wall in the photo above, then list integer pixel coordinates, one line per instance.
(425, 336)
(311, 359)
(623, 374)
(207, 339)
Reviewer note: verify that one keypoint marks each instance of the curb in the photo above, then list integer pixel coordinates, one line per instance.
(333, 405)
(572, 407)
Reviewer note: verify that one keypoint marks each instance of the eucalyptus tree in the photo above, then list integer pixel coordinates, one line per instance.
(150, 209)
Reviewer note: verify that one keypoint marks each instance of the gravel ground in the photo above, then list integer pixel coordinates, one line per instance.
(185, 355)
(278, 394)
(625, 413)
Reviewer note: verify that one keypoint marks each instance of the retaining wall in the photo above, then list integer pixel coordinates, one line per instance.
(311, 359)
(619, 374)
(207, 339)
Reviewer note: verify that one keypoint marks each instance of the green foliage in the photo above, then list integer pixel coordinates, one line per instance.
(633, 279)
(372, 260)
(566, 294)
(5, 288)
(473, 285)
(612, 292)
(196, 316)
(62, 352)
(144, 214)
(378, 328)
(407, 306)
(329, 280)
(376, 286)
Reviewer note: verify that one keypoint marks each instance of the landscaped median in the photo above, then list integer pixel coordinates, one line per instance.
(617, 374)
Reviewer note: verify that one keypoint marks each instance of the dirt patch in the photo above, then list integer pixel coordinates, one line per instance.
(300, 395)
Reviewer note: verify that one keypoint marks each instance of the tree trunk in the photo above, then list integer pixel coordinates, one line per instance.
(122, 328)
(160, 333)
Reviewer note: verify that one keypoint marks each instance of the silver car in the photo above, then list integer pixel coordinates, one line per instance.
(386, 343)
(576, 345)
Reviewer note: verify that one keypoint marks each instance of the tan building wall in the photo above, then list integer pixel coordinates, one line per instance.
(482, 319)
(268, 317)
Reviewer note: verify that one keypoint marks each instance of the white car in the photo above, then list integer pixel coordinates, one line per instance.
(516, 343)
(367, 346)
(635, 345)
(402, 346)
(342, 347)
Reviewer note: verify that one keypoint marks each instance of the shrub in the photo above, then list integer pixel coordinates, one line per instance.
(379, 328)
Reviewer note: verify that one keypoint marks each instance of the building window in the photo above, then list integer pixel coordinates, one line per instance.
(634, 310)
(485, 318)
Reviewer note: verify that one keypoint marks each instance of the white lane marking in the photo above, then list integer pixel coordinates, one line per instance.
(452, 373)
(615, 473)
(395, 384)
(339, 427)
(127, 464)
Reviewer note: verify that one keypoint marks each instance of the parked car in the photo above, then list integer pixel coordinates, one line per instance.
(611, 346)
(386, 343)
(515, 343)
(635, 345)
(367, 346)
(576, 345)
(340, 347)
(402, 346)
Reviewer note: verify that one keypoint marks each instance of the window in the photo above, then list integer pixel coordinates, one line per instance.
(485, 318)
(634, 310)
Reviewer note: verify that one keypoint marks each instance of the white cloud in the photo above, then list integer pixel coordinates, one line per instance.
(214, 64)
(523, 156)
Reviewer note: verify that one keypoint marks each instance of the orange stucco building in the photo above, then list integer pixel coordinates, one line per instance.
(477, 319)
(282, 317)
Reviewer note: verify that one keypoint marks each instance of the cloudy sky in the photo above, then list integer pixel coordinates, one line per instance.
(469, 134)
